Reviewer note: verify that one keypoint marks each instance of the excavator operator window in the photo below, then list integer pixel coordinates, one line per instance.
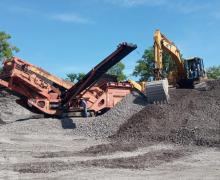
(194, 68)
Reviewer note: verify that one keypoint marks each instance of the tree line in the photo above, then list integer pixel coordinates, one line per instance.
(143, 69)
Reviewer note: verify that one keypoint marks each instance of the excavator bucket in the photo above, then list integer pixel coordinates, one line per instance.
(157, 91)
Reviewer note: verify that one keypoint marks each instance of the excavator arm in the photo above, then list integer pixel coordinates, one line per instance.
(163, 44)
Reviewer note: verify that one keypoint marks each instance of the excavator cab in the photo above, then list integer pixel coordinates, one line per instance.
(194, 68)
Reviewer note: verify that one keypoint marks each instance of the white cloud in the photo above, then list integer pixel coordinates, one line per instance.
(71, 18)
(62, 17)
(182, 6)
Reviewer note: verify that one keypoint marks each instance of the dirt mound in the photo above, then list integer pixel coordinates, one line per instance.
(191, 117)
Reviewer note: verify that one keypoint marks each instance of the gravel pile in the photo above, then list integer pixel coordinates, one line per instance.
(191, 117)
(108, 124)
(101, 126)
(10, 110)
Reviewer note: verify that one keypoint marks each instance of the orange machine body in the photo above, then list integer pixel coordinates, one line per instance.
(43, 91)
(55, 96)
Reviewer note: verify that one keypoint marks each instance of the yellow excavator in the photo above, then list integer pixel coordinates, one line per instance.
(188, 71)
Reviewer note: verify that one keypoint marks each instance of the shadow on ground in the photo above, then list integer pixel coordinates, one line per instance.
(67, 123)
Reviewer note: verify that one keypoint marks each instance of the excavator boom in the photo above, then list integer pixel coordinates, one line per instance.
(162, 43)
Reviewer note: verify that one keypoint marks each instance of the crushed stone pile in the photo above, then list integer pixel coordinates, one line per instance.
(191, 117)
(23, 121)
(108, 123)
(10, 110)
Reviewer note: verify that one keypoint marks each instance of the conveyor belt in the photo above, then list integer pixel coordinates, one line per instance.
(92, 77)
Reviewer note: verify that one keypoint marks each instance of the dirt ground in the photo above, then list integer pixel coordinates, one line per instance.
(179, 140)
(57, 155)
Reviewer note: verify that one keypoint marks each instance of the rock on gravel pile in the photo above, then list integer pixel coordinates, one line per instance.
(191, 117)
(108, 123)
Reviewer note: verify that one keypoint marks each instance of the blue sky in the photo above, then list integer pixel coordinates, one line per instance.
(65, 36)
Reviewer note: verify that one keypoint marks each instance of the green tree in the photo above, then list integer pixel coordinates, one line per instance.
(117, 70)
(80, 76)
(75, 77)
(145, 66)
(213, 72)
(71, 77)
(6, 49)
